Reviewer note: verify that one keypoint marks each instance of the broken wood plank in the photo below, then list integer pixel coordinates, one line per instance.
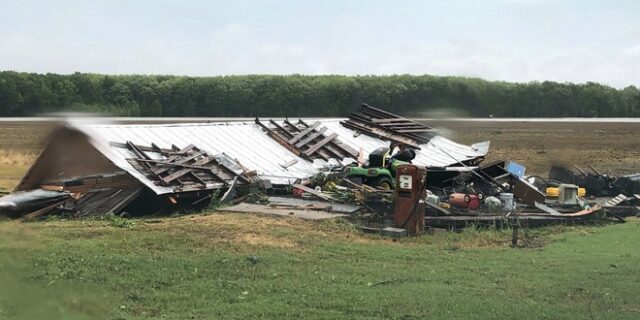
(330, 150)
(262, 209)
(310, 138)
(415, 130)
(304, 132)
(289, 163)
(142, 148)
(176, 156)
(226, 197)
(363, 186)
(42, 211)
(320, 144)
(284, 142)
(336, 147)
(314, 192)
(390, 120)
(172, 164)
(167, 179)
(166, 164)
(283, 130)
(116, 208)
(380, 134)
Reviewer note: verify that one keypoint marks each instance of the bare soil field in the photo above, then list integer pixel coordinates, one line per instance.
(612, 147)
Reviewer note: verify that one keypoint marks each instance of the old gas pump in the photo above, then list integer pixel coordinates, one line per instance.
(410, 188)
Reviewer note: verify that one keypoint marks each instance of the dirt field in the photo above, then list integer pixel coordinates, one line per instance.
(609, 146)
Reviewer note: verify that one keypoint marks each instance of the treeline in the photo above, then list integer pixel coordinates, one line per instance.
(27, 94)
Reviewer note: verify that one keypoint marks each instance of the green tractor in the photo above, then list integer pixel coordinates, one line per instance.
(381, 168)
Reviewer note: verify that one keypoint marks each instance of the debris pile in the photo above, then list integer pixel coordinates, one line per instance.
(359, 167)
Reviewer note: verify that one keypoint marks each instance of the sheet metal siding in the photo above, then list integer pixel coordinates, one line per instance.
(246, 142)
(243, 141)
(430, 154)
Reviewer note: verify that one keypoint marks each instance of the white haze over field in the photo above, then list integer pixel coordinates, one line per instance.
(511, 40)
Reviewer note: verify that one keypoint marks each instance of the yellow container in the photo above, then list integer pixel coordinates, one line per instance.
(553, 192)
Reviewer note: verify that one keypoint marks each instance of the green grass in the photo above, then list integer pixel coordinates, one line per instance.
(202, 267)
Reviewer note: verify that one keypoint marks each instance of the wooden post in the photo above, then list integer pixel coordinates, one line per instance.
(514, 235)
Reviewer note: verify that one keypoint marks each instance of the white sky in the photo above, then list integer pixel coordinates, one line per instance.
(511, 40)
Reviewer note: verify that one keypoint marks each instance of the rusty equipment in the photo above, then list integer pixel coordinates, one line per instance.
(462, 200)
(408, 210)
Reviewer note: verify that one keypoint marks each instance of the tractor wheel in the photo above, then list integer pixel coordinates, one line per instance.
(382, 182)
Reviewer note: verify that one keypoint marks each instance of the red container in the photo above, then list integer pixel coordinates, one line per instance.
(461, 200)
(474, 201)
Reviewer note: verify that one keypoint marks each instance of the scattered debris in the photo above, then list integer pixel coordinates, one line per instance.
(596, 183)
(27, 202)
(306, 214)
(184, 169)
(310, 169)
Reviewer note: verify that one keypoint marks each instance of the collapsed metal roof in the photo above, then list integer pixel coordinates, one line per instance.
(253, 148)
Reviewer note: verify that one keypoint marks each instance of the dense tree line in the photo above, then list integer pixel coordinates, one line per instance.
(26, 94)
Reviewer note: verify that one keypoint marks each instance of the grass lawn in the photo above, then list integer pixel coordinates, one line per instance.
(232, 266)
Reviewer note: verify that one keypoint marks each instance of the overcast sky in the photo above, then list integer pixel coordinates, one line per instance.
(512, 40)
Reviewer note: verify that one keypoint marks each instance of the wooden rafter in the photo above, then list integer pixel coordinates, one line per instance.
(184, 169)
(308, 141)
(386, 125)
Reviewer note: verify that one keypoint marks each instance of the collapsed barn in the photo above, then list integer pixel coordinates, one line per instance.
(309, 168)
(93, 169)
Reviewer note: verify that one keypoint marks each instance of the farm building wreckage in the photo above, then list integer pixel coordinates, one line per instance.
(396, 175)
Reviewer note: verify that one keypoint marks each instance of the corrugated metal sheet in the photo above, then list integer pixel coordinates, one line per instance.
(246, 142)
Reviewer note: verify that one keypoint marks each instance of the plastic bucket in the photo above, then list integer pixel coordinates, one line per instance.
(507, 201)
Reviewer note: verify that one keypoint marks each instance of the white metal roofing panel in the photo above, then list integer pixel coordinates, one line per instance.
(430, 154)
(251, 146)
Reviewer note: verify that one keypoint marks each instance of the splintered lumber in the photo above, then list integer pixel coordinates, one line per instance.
(184, 169)
(314, 192)
(386, 125)
(307, 141)
(359, 186)
(320, 144)
(43, 211)
(303, 132)
(251, 208)
(310, 138)
(304, 204)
